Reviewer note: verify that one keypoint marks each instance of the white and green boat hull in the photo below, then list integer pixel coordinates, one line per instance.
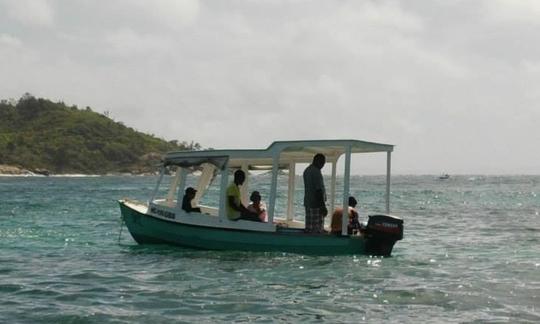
(148, 229)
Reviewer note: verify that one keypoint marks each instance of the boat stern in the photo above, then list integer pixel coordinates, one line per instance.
(382, 232)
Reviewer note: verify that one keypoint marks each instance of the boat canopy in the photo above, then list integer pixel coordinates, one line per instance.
(192, 161)
(287, 151)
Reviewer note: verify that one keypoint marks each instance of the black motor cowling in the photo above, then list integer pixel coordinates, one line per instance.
(382, 232)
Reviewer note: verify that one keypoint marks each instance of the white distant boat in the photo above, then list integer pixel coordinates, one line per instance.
(444, 176)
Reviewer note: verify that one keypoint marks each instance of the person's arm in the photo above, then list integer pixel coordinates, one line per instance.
(185, 204)
(234, 206)
(321, 195)
(193, 209)
(353, 216)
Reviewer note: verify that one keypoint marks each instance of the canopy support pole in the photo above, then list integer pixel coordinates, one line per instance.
(388, 170)
(173, 187)
(273, 190)
(292, 182)
(333, 187)
(161, 172)
(204, 181)
(244, 197)
(181, 185)
(346, 187)
(223, 193)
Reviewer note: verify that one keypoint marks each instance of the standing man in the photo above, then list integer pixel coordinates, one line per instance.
(315, 195)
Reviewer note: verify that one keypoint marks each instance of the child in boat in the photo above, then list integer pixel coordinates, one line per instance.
(354, 225)
(186, 201)
(257, 206)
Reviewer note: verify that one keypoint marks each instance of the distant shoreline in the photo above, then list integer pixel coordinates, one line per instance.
(74, 175)
(15, 171)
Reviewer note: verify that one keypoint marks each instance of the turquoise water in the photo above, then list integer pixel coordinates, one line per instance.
(471, 253)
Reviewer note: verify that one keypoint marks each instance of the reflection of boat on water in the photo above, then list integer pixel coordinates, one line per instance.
(444, 176)
(162, 220)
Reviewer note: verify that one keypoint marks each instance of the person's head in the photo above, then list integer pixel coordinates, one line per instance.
(239, 177)
(319, 160)
(190, 192)
(255, 197)
(352, 202)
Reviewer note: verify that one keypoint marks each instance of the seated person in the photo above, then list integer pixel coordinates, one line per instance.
(235, 209)
(186, 201)
(353, 226)
(257, 206)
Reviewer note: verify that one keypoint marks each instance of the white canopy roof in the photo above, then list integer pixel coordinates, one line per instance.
(297, 151)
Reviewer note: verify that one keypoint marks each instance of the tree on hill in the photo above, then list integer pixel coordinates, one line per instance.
(37, 133)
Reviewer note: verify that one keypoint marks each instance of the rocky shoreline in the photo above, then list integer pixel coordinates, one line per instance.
(13, 170)
(16, 170)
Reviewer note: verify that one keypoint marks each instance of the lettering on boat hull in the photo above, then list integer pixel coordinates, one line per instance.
(163, 213)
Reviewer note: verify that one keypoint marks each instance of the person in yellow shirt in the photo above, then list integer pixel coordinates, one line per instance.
(235, 209)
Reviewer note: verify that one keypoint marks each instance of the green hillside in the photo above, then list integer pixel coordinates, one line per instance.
(41, 134)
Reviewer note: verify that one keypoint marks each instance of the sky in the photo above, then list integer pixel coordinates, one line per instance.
(454, 84)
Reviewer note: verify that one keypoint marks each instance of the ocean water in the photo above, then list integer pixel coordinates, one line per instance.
(471, 254)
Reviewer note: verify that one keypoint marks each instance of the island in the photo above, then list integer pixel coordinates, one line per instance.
(39, 136)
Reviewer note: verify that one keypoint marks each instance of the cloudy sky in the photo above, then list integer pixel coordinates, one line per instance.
(454, 84)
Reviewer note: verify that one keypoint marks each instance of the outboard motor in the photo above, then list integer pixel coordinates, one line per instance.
(382, 232)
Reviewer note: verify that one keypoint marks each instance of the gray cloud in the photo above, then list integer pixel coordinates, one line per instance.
(455, 85)
(31, 13)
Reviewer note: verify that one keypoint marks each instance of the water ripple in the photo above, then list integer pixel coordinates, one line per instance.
(470, 254)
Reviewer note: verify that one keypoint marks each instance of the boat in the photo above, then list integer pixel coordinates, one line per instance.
(161, 220)
(444, 176)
